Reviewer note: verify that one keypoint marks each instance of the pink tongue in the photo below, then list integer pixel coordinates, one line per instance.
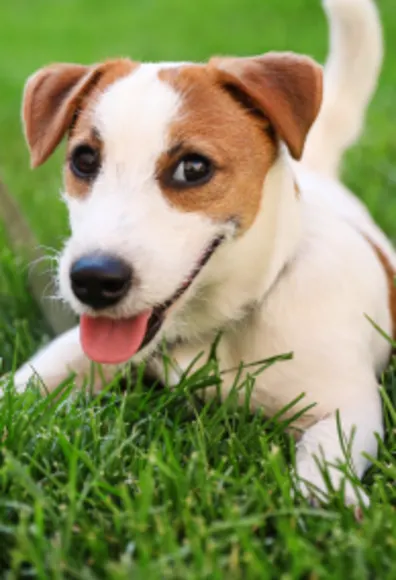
(110, 341)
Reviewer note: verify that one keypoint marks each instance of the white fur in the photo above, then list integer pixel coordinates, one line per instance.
(351, 76)
(301, 279)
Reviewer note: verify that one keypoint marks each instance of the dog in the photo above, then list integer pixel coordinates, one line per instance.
(206, 198)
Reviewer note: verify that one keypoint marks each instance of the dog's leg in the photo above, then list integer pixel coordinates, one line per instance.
(323, 443)
(183, 357)
(188, 358)
(57, 361)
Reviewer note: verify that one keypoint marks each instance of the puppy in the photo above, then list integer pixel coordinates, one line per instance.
(205, 198)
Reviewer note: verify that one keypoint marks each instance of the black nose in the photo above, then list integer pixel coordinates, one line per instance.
(100, 281)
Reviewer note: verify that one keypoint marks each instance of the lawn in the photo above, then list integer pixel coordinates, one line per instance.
(138, 482)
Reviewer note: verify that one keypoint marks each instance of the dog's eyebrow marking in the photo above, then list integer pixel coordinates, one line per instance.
(92, 137)
(190, 147)
(175, 149)
(390, 277)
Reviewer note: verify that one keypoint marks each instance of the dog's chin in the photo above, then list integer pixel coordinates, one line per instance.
(110, 340)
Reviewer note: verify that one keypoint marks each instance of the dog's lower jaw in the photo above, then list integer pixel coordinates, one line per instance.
(350, 431)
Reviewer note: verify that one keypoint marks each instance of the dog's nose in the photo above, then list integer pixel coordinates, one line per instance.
(99, 280)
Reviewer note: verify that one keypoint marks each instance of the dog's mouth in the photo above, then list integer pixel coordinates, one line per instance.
(115, 341)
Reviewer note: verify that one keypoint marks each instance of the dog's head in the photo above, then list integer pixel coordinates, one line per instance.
(165, 163)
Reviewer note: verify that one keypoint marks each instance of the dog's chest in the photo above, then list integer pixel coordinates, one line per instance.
(254, 359)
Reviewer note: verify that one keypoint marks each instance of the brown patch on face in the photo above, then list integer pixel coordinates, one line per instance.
(82, 130)
(239, 144)
(390, 275)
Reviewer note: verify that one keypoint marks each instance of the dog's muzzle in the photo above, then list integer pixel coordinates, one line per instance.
(103, 281)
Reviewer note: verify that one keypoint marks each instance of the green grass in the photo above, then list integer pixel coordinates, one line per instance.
(141, 482)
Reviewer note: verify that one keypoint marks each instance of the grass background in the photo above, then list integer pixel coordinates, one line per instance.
(137, 484)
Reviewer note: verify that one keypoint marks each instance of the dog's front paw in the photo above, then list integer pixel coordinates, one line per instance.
(317, 487)
(19, 381)
(24, 377)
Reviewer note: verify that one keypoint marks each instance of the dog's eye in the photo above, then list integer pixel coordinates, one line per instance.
(85, 162)
(193, 169)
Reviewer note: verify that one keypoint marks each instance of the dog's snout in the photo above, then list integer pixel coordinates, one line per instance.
(99, 280)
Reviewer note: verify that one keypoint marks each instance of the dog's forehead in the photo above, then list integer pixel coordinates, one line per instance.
(141, 107)
(137, 109)
(156, 106)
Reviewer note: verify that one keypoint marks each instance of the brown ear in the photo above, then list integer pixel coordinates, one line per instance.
(285, 87)
(55, 94)
(50, 100)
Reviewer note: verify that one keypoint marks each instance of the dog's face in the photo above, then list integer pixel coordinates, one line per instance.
(164, 164)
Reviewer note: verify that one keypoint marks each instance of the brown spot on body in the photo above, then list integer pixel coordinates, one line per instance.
(390, 275)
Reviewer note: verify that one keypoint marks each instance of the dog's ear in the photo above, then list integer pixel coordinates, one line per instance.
(55, 94)
(286, 88)
(52, 96)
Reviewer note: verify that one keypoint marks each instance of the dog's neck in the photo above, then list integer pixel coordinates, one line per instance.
(244, 271)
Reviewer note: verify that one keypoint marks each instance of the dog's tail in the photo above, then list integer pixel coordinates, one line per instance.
(350, 78)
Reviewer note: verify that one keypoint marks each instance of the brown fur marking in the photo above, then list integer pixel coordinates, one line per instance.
(390, 275)
(212, 123)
